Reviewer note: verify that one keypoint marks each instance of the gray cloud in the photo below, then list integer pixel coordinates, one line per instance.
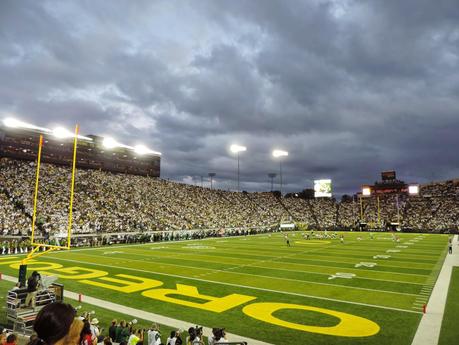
(349, 88)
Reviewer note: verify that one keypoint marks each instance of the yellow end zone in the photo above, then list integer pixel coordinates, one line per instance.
(347, 325)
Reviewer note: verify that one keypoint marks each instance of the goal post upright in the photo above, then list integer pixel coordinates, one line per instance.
(72, 186)
(35, 197)
(50, 247)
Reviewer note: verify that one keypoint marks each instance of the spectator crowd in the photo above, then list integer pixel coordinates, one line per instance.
(58, 323)
(106, 203)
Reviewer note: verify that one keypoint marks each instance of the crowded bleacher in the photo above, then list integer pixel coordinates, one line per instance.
(108, 203)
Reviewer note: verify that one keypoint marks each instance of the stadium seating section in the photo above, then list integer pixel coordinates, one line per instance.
(109, 203)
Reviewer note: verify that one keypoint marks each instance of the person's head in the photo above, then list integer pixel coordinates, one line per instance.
(54, 322)
(11, 339)
(114, 322)
(86, 328)
(107, 341)
(192, 333)
(220, 334)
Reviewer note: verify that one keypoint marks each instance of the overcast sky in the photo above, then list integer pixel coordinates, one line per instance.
(349, 88)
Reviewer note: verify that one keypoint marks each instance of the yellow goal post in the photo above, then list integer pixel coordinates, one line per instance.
(50, 247)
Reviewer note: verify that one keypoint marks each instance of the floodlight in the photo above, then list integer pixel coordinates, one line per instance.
(110, 143)
(60, 132)
(366, 191)
(63, 133)
(413, 189)
(142, 149)
(12, 123)
(237, 148)
(279, 153)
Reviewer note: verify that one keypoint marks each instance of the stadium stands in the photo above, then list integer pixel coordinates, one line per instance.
(118, 203)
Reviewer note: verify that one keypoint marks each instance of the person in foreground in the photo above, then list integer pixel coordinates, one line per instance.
(56, 325)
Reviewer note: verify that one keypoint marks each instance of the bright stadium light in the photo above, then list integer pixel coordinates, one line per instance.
(366, 191)
(142, 150)
(61, 133)
(237, 148)
(413, 189)
(14, 123)
(279, 153)
(110, 143)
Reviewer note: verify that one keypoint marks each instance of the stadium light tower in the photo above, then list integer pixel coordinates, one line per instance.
(279, 154)
(366, 192)
(237, 149)
(211, 175)
(272, 176)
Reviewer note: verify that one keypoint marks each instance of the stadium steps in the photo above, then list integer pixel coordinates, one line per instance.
(279, 199)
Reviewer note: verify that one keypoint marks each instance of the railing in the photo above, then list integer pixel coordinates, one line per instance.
(20, 316)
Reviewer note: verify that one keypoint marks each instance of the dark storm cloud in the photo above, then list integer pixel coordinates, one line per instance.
(349, 88)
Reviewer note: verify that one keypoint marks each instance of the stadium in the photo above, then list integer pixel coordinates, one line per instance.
(138, 247)
(229, 172)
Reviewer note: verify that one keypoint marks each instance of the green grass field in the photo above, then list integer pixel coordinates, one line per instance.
(364, 291)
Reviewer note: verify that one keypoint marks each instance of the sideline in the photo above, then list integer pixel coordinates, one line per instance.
(140, 314)
(428, 332)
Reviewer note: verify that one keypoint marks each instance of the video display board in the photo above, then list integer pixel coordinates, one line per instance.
(323, 188)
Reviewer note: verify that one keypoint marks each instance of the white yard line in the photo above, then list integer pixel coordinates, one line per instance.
(265, 267)
(429, 328)
(295, 263)
(243, 286)
(213, 271)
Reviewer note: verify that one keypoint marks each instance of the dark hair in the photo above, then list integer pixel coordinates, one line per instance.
(11, 338)
(192, 333)
(173, 334)
(219, 334)
(53, 323)
(86, 328)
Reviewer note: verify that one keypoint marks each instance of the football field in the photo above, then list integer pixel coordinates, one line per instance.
(367, 290)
